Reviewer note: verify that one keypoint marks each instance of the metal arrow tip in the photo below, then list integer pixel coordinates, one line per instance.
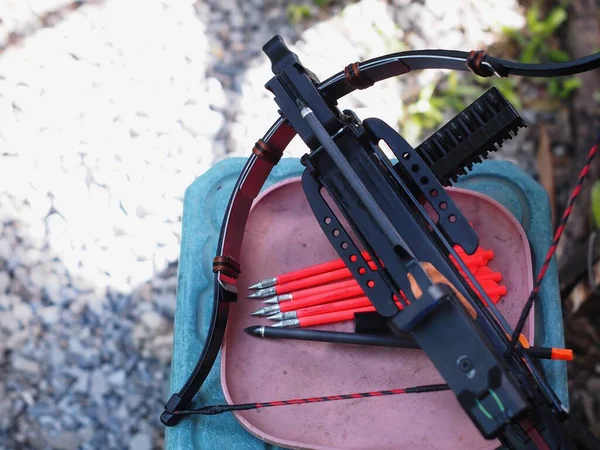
(288, 323)
(284, 316)
(279, 299)
(266, 311)
(261, 293)
(264, 283)
(256, 286)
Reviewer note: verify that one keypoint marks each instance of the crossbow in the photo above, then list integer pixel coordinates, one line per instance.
(383, 204)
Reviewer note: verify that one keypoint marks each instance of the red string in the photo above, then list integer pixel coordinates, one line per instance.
(219, 409)
(552, 249)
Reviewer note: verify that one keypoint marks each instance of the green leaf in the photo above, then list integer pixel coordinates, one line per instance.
(427, 91)
(439, 102)
(562, 88)
(557, 55)
(531, 17)
(432, 119)
(554, 87)
(510, 32)
(456, 104)
(530, 51)
(411, 130)
(452, 82)
(554, 20)
(512, 97)
(321, 3)
(596, 204)
(544, 28)
(516, 35)
(297, 13)
(570, 84)
(507, 87)
(469, 91)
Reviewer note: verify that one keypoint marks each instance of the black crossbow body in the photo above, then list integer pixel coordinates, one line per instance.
(495, 381)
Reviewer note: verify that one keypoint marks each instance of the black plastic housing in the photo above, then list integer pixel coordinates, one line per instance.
(467, 139)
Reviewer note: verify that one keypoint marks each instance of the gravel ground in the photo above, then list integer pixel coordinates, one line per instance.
(108, 111)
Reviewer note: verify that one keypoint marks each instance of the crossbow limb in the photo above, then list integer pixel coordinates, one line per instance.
(345, 160)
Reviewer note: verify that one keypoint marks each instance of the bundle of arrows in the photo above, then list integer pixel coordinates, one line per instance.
(326, 293)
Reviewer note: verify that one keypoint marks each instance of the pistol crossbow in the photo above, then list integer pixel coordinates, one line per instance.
(496, 383)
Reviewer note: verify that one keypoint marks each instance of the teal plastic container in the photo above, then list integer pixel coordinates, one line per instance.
(204, 206)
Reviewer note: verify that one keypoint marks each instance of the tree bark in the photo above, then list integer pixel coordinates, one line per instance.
(582, 38)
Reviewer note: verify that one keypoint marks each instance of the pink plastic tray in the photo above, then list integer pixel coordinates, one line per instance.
(283, 235)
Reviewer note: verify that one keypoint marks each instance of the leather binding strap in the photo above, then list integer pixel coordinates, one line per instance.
(227, 265)
(474, 64)
(356, 78)
(268, 150)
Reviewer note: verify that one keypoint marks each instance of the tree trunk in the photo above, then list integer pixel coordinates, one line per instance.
(582, 38)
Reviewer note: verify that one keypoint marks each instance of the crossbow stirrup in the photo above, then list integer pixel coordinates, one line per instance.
(503, 392)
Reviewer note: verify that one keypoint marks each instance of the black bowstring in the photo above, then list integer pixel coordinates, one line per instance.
(211, 410)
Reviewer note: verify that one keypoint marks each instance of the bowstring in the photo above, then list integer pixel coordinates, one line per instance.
(552, 250)
(211, 410)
